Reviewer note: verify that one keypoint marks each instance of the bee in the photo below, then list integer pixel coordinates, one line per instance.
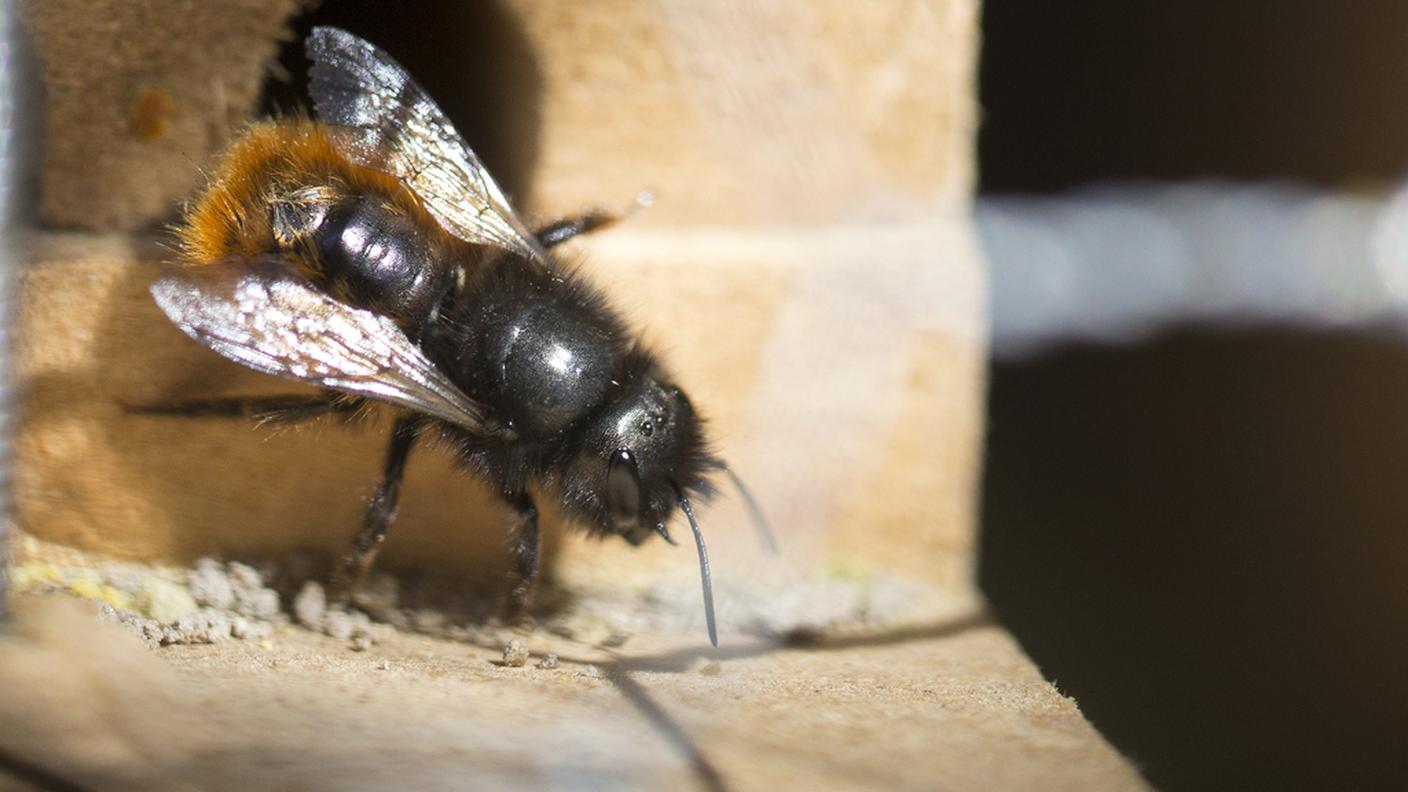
(369, 252)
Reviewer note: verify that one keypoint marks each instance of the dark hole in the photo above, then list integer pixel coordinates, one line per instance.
(470, 56)
(1077, 92)
(1203, 538)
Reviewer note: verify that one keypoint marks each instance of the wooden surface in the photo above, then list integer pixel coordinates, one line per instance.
(950, 705)
(750, 114)
(138, 96)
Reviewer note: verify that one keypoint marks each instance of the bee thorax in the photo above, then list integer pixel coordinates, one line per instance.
(546, 364)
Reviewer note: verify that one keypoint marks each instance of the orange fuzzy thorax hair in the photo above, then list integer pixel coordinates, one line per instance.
(270, 161)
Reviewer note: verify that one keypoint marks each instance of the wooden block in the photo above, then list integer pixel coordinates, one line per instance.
(754, 114)
(139, 96)
(808, 270)
(845, 388)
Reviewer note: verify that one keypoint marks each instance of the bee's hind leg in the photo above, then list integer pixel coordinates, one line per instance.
(381, 511)
(265, 409)
(527, 547)
(556, 233)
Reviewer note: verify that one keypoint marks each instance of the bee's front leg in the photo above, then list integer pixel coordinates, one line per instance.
(527, 544)
(556, 233)
(381, 511)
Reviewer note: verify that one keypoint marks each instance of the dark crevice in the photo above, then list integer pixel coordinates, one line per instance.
(471, 56)
(1204, 537)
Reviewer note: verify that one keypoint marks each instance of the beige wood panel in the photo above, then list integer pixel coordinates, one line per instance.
(140, 95)
(845, 389)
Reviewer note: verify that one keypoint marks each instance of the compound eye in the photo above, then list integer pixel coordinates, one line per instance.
(623, 490)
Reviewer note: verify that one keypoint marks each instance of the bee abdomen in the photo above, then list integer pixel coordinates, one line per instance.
(375, 256)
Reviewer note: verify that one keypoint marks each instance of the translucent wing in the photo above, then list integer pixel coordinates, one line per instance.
(258, 313)
(381, 118)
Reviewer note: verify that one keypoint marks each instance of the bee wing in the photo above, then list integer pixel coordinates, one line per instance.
(258, 313)
(381, 118)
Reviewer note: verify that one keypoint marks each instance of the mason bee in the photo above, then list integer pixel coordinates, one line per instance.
(370, 253)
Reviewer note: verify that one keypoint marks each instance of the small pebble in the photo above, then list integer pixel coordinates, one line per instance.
(711, 668)
(361, 642)
(251, 596)
(217, 626)
(264, 604)
(244, 576)
(163, 601)
(515, 654)
(209, 584)
(205, 626)
(311, 605)
(338, 624)
(548, 663)
(592, 672)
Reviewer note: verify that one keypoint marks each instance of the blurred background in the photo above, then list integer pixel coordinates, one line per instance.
(1195, 512)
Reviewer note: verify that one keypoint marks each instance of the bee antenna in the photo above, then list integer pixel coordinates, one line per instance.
(703, 567)
(760, 521)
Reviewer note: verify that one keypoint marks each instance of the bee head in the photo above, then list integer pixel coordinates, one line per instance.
(637, 458)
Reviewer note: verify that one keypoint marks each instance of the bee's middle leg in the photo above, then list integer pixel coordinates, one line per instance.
(290, 408)
(381, 511)
(527, 548)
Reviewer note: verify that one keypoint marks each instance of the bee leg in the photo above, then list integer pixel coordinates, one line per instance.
(527, 544)
(556, 233)
(265, 409)
(380, 511)
(587, 222)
